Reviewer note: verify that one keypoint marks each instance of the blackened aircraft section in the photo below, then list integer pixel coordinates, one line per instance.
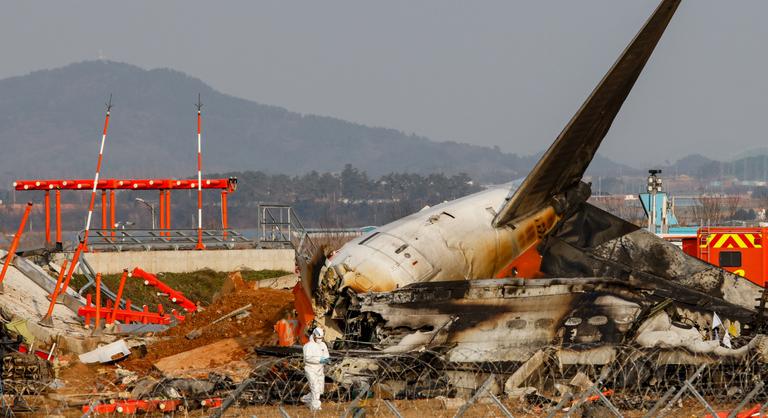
(566, 160)
(592, 242)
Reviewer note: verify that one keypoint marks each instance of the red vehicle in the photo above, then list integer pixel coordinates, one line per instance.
(736, 249)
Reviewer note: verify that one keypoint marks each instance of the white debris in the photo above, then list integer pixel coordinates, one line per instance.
(108, 353)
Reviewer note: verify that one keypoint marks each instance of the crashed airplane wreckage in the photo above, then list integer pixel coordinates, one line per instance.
(495, 277)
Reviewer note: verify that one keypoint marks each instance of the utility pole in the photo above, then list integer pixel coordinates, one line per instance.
(151, 209)
(199, 245)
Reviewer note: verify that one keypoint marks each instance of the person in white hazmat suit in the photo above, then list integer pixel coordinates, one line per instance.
(315, 357)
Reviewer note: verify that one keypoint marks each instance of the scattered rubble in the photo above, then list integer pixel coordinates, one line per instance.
(162, 370)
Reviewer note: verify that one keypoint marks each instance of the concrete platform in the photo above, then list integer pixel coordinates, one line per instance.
(186, 261)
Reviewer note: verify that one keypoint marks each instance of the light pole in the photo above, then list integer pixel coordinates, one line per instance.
(151, 208)
(653, 187)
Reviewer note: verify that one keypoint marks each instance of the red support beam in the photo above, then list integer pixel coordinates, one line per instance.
(118, 297)
(98, 301)
(229, 184)
(112, 212)
(161, 216)
(47, 320)
(15, 242)
(72, 266)
(47, 210)
(58, 217)
(224, 225)
(104, 209)
(168, 210)
(173, 295)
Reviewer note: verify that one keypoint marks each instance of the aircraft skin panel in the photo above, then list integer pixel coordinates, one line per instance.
(446, 242)
(566, 160)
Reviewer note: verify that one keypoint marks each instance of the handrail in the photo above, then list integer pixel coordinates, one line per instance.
(163, 239)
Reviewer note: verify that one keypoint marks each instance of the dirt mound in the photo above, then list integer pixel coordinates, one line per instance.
(268, 306)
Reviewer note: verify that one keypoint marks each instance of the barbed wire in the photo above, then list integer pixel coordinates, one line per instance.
(634, 379)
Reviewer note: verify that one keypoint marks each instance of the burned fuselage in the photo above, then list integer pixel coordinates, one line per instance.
(631, 289)
(450, 241)
(440, 277)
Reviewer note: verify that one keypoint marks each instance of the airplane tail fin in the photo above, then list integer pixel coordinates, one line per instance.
(566, 160)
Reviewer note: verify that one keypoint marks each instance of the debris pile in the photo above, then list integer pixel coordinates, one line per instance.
(255, 324)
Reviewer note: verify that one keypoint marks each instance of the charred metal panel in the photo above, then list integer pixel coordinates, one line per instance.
(594, 243)
(509, 319)
(501, 320)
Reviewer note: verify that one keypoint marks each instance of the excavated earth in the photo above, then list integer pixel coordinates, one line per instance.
(268, 306)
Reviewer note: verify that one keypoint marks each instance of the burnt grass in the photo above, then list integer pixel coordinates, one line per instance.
(199, 286)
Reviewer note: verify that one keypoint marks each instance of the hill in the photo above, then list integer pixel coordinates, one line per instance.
(51, 121)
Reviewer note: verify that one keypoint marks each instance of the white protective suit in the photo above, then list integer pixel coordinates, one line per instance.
(315, 351)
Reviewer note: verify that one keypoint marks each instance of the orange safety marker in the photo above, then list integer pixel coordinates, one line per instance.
(118, 297)
(15, 242)
(200, 245)
(47, 320)
(82, 245)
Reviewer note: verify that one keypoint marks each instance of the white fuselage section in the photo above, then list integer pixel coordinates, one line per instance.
(451, 241)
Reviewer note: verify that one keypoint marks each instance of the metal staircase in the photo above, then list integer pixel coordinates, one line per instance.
(280, 227)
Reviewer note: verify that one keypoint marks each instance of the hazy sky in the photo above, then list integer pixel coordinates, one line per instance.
(506, 73)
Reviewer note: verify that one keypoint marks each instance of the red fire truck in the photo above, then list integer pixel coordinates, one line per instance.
(736, 249)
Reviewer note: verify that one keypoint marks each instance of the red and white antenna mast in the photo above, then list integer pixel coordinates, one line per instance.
(200, 245)
(84, 241)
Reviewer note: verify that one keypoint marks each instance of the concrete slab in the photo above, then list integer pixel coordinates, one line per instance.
(187, 261)
(24, 299)
(40, 277)
(283, 282)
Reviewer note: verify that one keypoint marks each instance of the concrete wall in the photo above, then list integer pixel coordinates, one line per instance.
(187, 261)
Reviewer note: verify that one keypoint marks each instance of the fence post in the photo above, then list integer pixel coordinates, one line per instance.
(501, 406)
(700, 398)
(660, 402)
(475, 397)
(356, 401)
(392, 409)
(682, 390)
(744, 401)
(567, 397)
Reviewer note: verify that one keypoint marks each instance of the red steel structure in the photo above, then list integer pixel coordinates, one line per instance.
(47, 320)
(165, 186)
(127, 315)
(15, 243)
(173, 295)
